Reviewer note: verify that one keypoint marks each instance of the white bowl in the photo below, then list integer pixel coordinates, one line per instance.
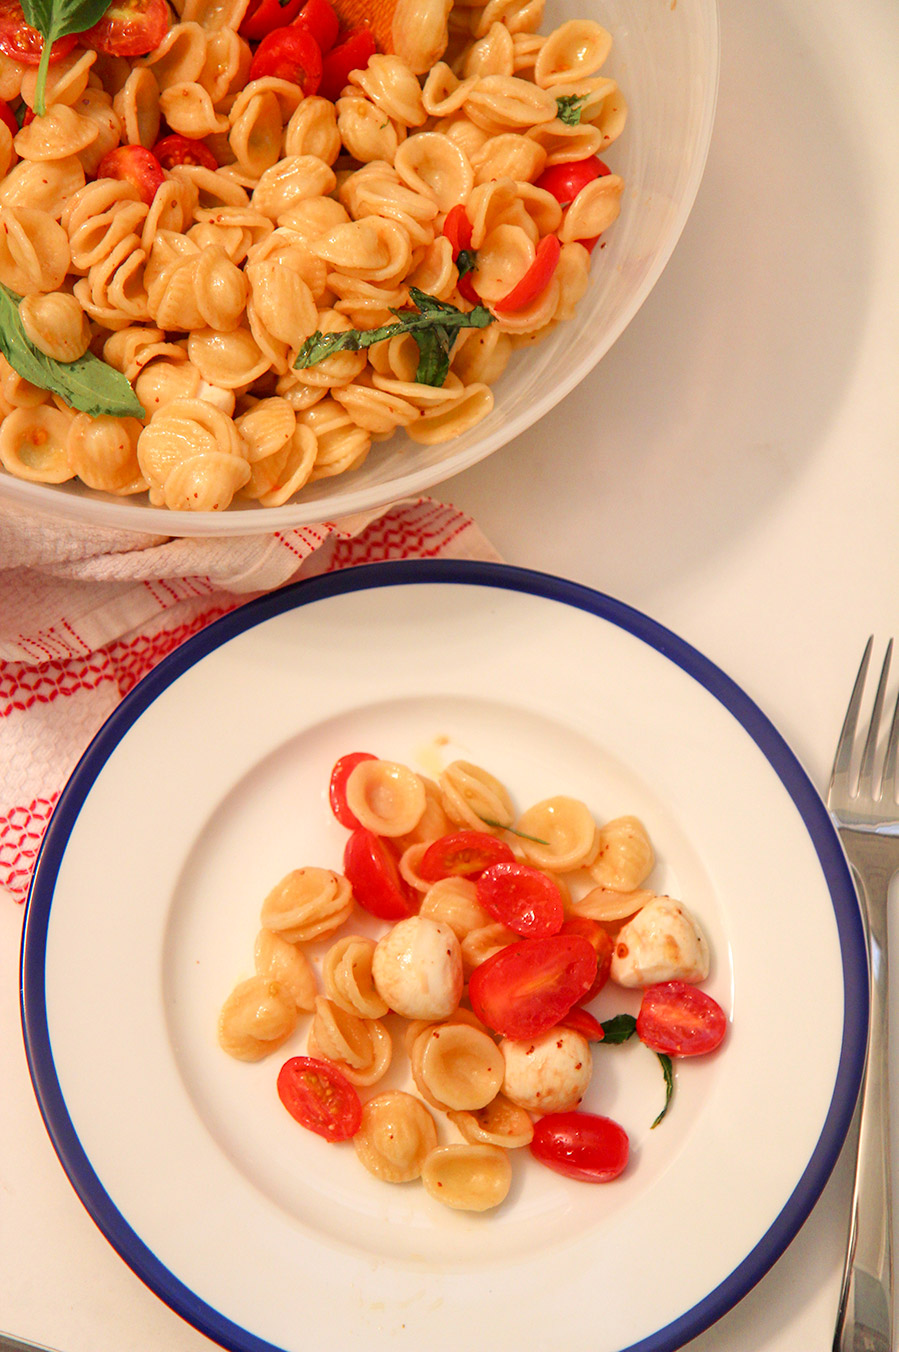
(665, 57)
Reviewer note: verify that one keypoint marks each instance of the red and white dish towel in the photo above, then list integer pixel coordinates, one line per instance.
(85, 613)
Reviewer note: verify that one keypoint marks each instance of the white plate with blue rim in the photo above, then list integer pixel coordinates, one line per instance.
(209, 782)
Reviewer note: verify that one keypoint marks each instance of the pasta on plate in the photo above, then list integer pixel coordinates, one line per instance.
(210, 331)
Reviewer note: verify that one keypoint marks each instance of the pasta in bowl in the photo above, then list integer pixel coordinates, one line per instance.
(317, 306)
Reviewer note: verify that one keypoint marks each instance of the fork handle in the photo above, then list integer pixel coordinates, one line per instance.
(864, 1321)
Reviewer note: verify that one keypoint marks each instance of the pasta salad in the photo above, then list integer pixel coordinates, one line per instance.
(243, 241)
(499, 930)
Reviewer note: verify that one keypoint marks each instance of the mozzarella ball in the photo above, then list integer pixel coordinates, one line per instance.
(549, 1073)
(417, 968)
(663, 942)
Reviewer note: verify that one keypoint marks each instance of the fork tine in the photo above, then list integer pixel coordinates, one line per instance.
(839, 775)
(888, 781)
(869, 751)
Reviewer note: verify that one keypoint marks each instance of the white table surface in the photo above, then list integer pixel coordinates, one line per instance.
(732, 469)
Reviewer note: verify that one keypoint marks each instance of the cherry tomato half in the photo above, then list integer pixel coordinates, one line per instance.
(526, 988)
(680, 1020)
(24, 43)
(8, 116)
(138, 166)
(289, 54)
(565, 181)
(522, 898)
(371, 867)
(457, 229)
(463, 854)
(535, 280)
(584, 1146)
(129, 28)
(175, 149)
(320, 19)
(354, 53)
(337, 787)
(321, 1099)
(262, 16)
(603, 947)
(583, 1022)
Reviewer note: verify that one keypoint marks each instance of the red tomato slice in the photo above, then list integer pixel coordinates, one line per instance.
(262, 16)
(371, 868)
(316, 1094)
(138, 166)
(680, 1020)
(320, 19)
(24, 43)
(129, 28)
(457, 229)
(175, 149)
(525, 900)
(565, 181)
(465, 287)
(354, 53)
(583, 1022)
(337, 787)
(526, 988)
(289, 54)
(602, 946)
(464, 854)
(535, 280)
(8, 116)
(584, 1146)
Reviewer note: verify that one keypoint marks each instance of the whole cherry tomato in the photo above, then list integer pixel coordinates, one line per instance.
(337, 786)
(353, 53)
(677, 1019)
(129, 28)
(602, 946)
(24, 43)
(463, 854)
(565, 181)
(584, 1146)
(535, 280)
(320, 19)
(175, 149)
(289, 54)
(321, 1099)
(583, 1022)
(263, 16)
(526, 988)
(371, 867)
(522, 898)
(138, 166)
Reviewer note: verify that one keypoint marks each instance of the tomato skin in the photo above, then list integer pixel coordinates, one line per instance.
(526, 988)
(129, 28)
(678, 1019)
(463, 854)
(457, 229)
(318, 1097)
(583, 1022)
(371, 867)
(582, 1146)
(354, 53)
(8, 116)
(289, 54)
(535, 280)
(24, 43)
(320, 19)
(522, 898)
(175, 149)
(337, 786)
(138, 166)
(602, 945)
(565, 181)
(263, 16)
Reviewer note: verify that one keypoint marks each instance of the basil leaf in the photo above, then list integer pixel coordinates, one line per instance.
(56, 19)
(568, 108)
(498, 826)
(434, 346)
(466, 261)
(87, 384)
(619, 1028)
(668, 1072)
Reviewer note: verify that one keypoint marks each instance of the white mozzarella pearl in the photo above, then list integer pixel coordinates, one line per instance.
(417, 968)
(549, 1073)
(663, 942)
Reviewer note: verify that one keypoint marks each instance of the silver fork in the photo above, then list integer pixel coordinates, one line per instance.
(866, 814)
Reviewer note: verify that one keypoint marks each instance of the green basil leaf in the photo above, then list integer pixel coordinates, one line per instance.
(56, 19)
(434, 347)
(668, 1072)
(88, 384)
(619, 1028)
(466, 262)
(568, 108)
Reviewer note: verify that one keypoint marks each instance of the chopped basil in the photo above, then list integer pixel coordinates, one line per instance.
(88, 383)
(623, 1026)
(568, 108)
(434, 324)
(668, 1072)
(466, 262)
(56, 19)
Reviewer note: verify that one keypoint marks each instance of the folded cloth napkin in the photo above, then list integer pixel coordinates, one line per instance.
(86, 612)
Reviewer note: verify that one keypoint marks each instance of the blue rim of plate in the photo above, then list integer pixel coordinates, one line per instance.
(807, 801)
